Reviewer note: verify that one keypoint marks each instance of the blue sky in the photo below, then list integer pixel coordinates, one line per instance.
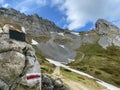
(78, 15)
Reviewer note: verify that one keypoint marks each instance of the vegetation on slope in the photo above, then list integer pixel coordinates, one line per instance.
(99, 62)
(46, 67)
(49, 68)
(81, 82)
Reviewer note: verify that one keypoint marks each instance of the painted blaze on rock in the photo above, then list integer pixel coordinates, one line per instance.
(33, 76)
(19, 67)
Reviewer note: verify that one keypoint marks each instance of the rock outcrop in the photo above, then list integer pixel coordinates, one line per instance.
(105, 34)
(19, 67)
(49, 84)
(109, 33)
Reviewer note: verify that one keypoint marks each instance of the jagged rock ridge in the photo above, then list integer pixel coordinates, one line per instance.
(54, 42)
(57, 43)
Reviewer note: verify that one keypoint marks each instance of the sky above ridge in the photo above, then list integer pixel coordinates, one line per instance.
(78, 15)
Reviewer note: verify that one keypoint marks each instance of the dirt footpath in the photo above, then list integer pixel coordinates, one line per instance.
(70, 83)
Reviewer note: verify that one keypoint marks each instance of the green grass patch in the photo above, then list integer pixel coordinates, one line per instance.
(99, 62)
(87, 82)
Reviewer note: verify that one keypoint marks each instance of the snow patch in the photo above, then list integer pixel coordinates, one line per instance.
(62, 34)
(34, 42)
(70, 60)
(75, 33)
(62, 46)
(86, 34)
(108, 86)
(51, 32)
(54, 62)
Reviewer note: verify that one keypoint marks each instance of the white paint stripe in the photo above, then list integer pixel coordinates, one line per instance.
(29, 74)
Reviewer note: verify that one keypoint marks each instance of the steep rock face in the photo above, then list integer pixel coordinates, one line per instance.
(17, 64)
(53, 41)
(109, 34)
(32, 23)
(89, 37)
(105, 34)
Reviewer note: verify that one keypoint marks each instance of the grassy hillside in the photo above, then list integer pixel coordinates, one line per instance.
(49, 68)
(80, 81)
(99, 62)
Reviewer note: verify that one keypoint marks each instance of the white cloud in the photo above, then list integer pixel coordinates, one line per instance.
(30, 5)
(80, 12)
(6, 5)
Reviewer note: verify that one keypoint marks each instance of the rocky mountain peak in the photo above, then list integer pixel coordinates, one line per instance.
(109, 33)
(30, 22)
(104, 25)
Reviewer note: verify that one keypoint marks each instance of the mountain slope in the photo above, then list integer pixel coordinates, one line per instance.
(101, 54)
(97, 50)
(54, 42)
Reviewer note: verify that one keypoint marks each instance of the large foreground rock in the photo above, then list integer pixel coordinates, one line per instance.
(49, 84)
(19, 68)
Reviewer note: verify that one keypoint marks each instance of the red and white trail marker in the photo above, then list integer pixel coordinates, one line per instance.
(32, 76)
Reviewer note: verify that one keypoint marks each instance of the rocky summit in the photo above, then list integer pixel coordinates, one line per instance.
(109, 34)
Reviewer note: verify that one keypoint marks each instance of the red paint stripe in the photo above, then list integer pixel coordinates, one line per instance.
(33, 77)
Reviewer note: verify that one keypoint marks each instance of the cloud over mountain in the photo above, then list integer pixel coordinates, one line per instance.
(77, 13)
(80, 12)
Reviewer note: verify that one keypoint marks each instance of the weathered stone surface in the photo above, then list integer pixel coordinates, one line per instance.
(11, 64)
(18, 66)
(58, 83)
(49, 84)
(3, 85)
(108, 33)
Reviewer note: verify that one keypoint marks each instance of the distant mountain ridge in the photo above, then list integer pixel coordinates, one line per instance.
(49, 36)
(57, 43)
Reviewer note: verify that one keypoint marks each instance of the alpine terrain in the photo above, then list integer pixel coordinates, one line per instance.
(95, 52)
